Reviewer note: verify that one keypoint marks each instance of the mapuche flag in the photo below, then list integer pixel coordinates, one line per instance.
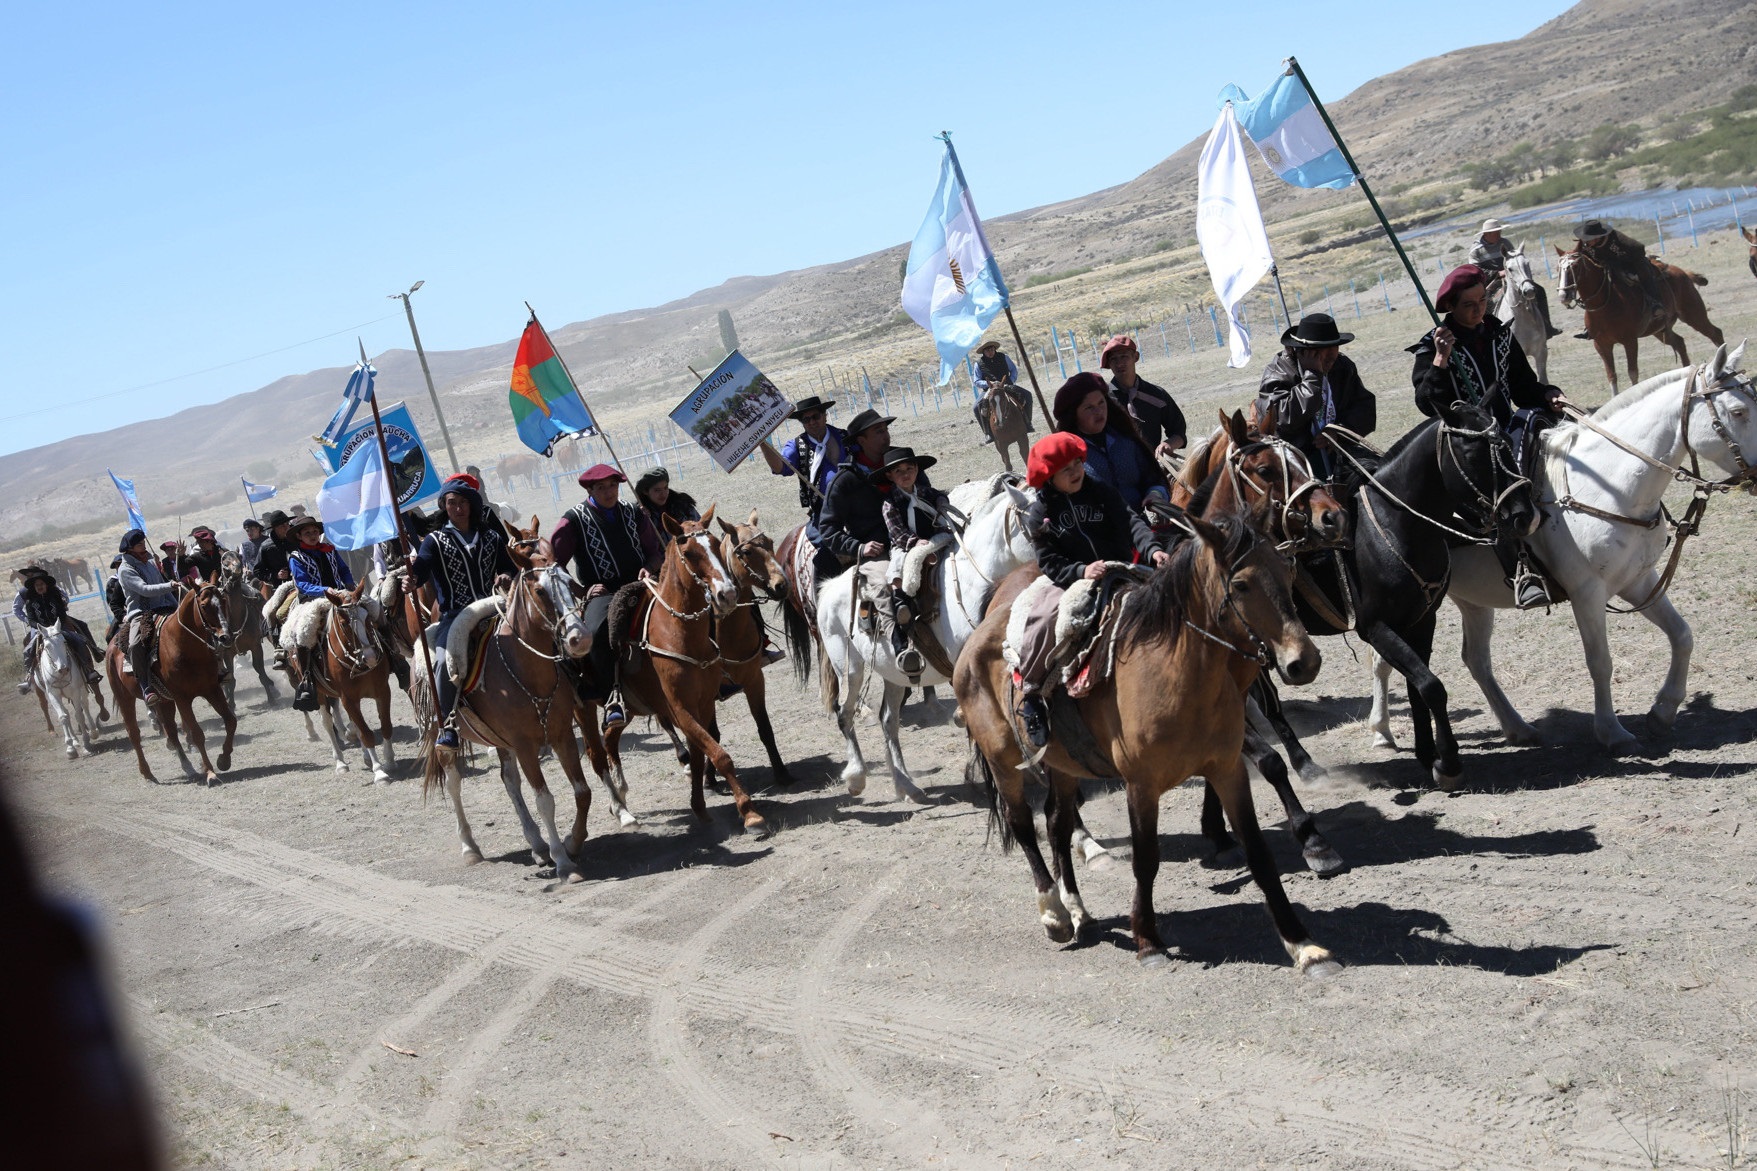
(545, 403)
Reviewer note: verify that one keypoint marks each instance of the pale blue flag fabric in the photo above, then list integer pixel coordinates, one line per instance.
(125, 488)
(1290, 133)
(952, 286)
(356, 505)
(257, 493)
(357, 393)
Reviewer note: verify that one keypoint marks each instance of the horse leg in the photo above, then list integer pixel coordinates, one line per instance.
(268, 688)
(1434, 745)
(889, 709)
(229, 721)
(454, 789)
(1671, 337)
(677, 744)
(1665, 616)
(509, 777)
(1479, 632)
(1264, 712)
(351, 705)
(1321, 857)
(130, 723)
(756, 698)
(1588, 603)
(62, 719)
(1094, 854)
(565, 870)
(324, 708)
(1235, 794)
(197, 740)
(854, 772)
(1379, 718)
(1021, 827)
(568, 753)
(1607, 354)
(614, 786)
(698, 801)
(700, 741)
(1227, 855)
(389, 755)
(1631, 350)
(1144, 838)
(1063, 814)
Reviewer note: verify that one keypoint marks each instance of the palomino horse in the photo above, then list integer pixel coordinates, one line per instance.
(349, 664)
(194, 641)
(1617, 312)
(993, 544)
(1603, 481)
(523, 702)
(249, 629)
(1518, 307)
(1191, 641)
(61, 685)
(1008, 409)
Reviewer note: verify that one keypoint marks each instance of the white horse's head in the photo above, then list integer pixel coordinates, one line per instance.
(576, 639)
(53, 659)
(1565, 278)
(996, 539)
(1723, 418)
(1519, 273)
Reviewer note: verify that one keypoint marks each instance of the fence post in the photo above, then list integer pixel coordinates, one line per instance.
(1661, 231)
(1189, 331)
(1214, 320)
(1163, 340)
(1692, 217)
(1356, 294)
(1385, 289)
(1543, 247)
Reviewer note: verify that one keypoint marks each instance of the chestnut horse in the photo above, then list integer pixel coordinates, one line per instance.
(350, 664)
(193, 642)
(249, 629)
(1191, 641)
(749, 555)
(1617, 313)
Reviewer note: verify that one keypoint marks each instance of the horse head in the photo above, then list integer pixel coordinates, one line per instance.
(553, 589)
(1478, 464)
(355, 627)
(1724, 429)
(1519, 273)
(1273, 483)
(1256, 604)
(750, 554)
(52, 651)
(211, 613)
(695, 556)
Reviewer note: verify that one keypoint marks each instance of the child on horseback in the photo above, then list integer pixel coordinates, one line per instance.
(1079, 525)
(40, 604)
(916, 514)
(319, 573)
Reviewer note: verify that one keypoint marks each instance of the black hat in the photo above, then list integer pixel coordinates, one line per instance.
(34, 571)
(115, 561)
(865, 420)
(130, 539)
(1591, 230)
(274, 518)
(1315, 331)
(902, 455)
(250, 522)
(812, 403)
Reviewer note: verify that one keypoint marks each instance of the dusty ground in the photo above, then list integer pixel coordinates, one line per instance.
(1553, 968)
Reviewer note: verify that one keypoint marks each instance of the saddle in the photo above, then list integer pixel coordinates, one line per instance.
(627, 606)
(466, 643)
(878, 611)
(1085, 627)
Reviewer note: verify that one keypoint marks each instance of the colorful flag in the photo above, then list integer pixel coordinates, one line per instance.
(545, 403)
(358, 392)
(952, 286)
(1290, 132)
(356, 505)
(129, 501)
(1229, 226)
(257, 493)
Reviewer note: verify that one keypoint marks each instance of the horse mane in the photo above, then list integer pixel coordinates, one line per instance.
(1641, 390)
(1158, 610)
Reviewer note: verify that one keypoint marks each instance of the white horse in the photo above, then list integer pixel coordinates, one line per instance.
(1518, 307)
(1603, 531)
(993, 544)
(63, 687)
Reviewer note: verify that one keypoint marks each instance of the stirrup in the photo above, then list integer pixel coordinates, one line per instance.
(1530, 590)
(911, 663)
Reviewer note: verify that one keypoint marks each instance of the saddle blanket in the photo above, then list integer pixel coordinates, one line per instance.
(1084, 618)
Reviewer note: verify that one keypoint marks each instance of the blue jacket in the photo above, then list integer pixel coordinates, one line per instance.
(1122, 463)
(317, 570)
(798, 453)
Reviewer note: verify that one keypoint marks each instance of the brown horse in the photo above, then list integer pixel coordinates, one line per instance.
(249, 630)
(523, 702)
(798, 615)
(194, 641)
(1008, 411)
(350, 664)
(1191, 641)
(1617, 312)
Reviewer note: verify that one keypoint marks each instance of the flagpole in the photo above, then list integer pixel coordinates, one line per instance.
(1029, 368)
(396, 511)
(579, 394)
(1365, 187)
(1275, 271)
(248, 503)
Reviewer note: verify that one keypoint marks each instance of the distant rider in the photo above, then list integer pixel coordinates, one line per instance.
(1490, 254)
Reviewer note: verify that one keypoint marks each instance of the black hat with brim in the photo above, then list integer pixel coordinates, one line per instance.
(1315, 331)
(1591, 230)
(250, 522)
(865, 421)
(809, 404)
(305, 521)
(274, 518)
(902, 455)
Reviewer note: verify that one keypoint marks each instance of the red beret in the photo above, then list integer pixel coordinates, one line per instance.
(1051, 454)
(600, 472)
(1121, 341)
(1465, 276)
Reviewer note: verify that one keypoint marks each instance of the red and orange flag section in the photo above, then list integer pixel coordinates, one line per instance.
(545, 403)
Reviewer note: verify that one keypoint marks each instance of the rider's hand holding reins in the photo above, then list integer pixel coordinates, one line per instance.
(872, 549)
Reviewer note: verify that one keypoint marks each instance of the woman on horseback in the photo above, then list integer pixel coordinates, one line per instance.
(1472, 357)
(1115, 452)
(916, 513)
(41, 604)
(653, 490)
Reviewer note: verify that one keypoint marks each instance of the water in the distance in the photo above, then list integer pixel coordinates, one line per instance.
(1709, 208)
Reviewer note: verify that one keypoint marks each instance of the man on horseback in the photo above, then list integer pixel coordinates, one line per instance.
(1310, 385)
(1080, 525)
(319, 573)
(466, 560)
(150, 596)
(995, 370)
(1156, 415)
(813, 455)
(607, 544)
(1472, 357)
(916, 514)
(1490, 254)
(250, 549)
(851, 524)
(115, 599)
(272, 555)
(40, 604)
(1627, 257)
(203, 562)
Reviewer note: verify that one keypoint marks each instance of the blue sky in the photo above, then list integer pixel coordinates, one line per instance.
(192, 186)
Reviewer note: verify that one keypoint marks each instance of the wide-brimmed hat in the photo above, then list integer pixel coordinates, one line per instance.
(987, 346)
(1315, 331)
(130, 539)
(811, 403)
(1592, 230)
(1051, 454)
(35, 571)
(273, 518)
(1493, 225)
(304, 521)
(902, 455)
(250, 522)
(598, 473)
(865, 421)
(1122, 343)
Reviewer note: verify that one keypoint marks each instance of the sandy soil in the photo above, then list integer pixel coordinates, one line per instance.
(1552, 968)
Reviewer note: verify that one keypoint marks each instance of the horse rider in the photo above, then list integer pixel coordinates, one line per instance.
(319, 573)
(115, 599)
(250, 548)
(1311, 385)
(271, 556)
(1156, 414)
(40, 604)
(1116, 451)
(994, 369)
(203, 562)
(150, 595)
(916, 513)
(607, 544)
(1626, 257)
(851, 524)
(171, 559)
(1490, 254)
(813, 455)
(1472, 357)
(466, 560)
(1078, 525)
(654, 494)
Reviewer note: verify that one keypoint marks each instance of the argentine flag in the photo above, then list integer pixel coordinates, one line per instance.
(358, 391)
(952, 286)
(1290, 133)
(356, 505)
(257, 493)
(131, 502)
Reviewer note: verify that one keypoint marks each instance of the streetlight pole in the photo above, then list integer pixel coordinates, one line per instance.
(444, 432)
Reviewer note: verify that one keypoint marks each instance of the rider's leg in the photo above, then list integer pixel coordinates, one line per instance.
(1543, 312)
(982, 420)
(140, 655)
(603, 661)
(1529, 591)
(1034, 665)
(30, 661)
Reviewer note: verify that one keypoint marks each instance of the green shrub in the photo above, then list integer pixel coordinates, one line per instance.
(1049, 278)
(1561, 187)
(1310, 236)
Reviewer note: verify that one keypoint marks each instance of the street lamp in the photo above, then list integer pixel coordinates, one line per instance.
(444, 432)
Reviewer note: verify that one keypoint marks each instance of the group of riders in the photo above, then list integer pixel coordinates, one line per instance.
(1101, 482)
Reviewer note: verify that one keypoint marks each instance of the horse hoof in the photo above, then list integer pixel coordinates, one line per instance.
(628, 820)
(1230, 858)
(913, 794)
(683, 758)
(756, 827)
(471, 857)
(1062, 932)
(1325, 862)
(73, 753)
(224, 762)
(1100, 859)
(1522, 735)
(856, 783)
(783, 778)
(1151, 960)
(1384, 740)
(1659, 723)
(1313, 773)
(381, 778)
(1447, 782)
(574, 878)
(1314, 961)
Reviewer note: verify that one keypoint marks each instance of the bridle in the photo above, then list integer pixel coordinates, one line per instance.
(1568, 278)
(217, 641)
(1284, 512)
(348, 647)
(1487, 501)
(706, 586)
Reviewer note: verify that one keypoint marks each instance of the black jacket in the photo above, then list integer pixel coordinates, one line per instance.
(115, 598)
(461, 573)
(1297, 397)
(1094, 524)
(853, 514)
(271, 562)
(47, 609)
(1488, 369)
(1152, 408)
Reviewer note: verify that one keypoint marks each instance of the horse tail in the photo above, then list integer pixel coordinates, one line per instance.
(799, 642)
(979, 775)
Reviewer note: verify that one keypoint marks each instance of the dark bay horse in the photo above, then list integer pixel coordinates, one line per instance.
(1008, 411)
(194, 642)
(249, 629)
(1617, 312)
(350, 665)
(749, 555)
(1191, 641)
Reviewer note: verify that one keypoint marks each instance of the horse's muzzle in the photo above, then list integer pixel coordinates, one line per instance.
(1302, 667)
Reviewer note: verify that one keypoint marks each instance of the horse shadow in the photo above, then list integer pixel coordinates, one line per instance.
(259, 772)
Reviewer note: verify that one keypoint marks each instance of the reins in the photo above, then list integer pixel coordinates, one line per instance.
(1369, 477)
(646, 643)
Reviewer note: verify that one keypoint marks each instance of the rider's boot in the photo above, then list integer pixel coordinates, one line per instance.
(1034, 714)
(399, 667)
(772, 654)
(909, 660)
(448, 710)
(614, 715)
(982, 421)
(1529, 591)
(305, 694)
(140, 658)
(1543, 312)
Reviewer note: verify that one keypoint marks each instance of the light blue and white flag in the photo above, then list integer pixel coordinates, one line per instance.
(356, 505)
(952, 286)
(1290, 132)
(358, 393)
(257, 493)
(129, 501)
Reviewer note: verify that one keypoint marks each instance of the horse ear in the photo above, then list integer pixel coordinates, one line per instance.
(671, 525)
(1736, 359)
(752, 521)
(1560, 251)
(730, 529)
(1717, 364)
(1235, 427)
(359, 588)
(708, 516)
(1520, 251)
(1266, 422)
(1211, 534)
(536, 524)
